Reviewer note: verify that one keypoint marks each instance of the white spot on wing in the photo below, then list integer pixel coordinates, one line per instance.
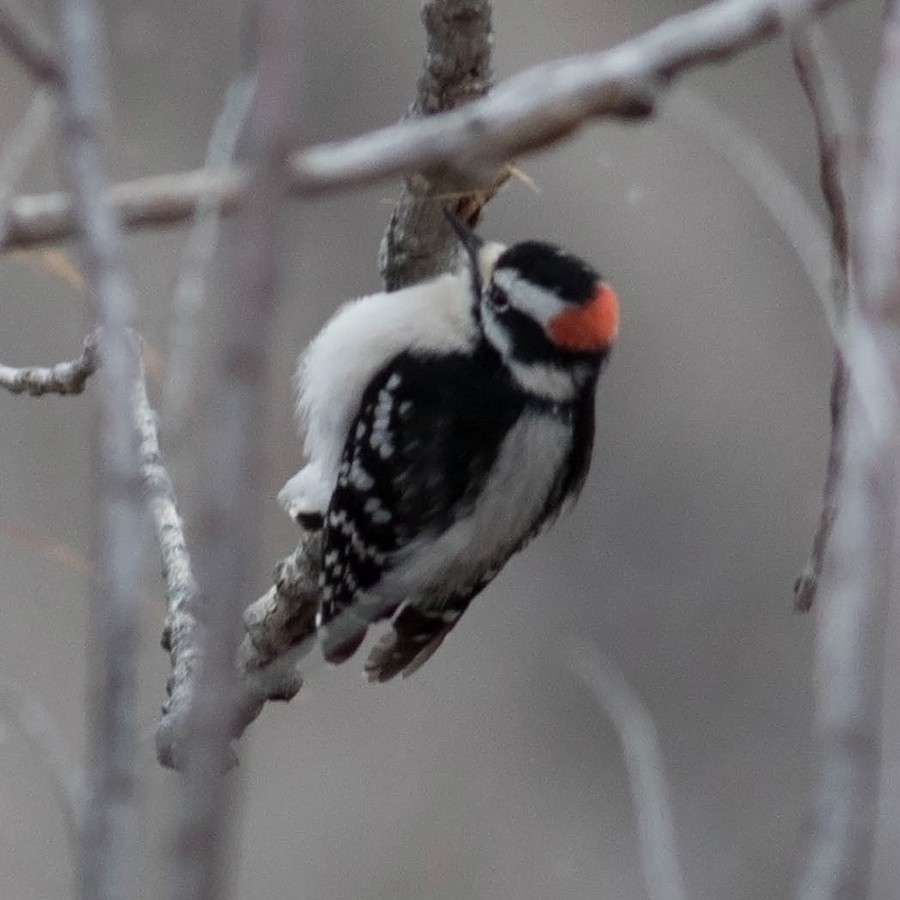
(357, 342)
(477, 547)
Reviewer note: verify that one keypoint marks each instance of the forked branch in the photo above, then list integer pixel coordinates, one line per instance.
(859, 577)
(528, 112)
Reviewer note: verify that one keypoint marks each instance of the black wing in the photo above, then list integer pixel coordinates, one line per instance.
(414, 636)
(426, 436)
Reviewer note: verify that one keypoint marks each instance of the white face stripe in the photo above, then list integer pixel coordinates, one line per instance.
(542, 305)
(498, 336)
(545, 380)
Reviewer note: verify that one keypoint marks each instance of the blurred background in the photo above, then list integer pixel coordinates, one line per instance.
(491, 773)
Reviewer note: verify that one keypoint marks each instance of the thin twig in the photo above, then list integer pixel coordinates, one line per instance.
(64, 378)
(860, 570)
(230, 515)
(419, 243)
(801, 227)
(807, 584)
(153, 202)
(773, 187)
(528, 112)
(644, 762)
(109, 843)
(159, 498)
(19, 147)
(190, 288)
(817, 70)
(28, 42)
(269, 672)
(820, 76)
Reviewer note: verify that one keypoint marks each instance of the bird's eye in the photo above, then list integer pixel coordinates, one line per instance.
(498, 299)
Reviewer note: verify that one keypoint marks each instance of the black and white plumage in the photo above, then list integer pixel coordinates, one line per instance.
(446, 424)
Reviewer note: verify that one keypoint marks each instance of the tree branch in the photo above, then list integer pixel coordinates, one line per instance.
(63, 378)
(773, 187)
(819, 74)
(545, 104)
(182, 592)
(190, 288)
(110, 828)
(19, 148)
(279, 626)
(231, 470)
(419, 242)
(643, 761)
(860, 570)
(528, 112)
(284, 616)
(836, 134)
(152, 202)
(28, 43)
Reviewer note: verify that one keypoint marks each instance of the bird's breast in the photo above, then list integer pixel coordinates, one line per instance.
(509, 510)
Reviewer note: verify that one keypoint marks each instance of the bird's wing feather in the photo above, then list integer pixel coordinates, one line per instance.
(408, 473)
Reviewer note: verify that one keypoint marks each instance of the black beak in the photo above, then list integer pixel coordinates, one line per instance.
(471, 243)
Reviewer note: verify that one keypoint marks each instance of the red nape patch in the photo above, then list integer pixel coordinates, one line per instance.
(592, 327)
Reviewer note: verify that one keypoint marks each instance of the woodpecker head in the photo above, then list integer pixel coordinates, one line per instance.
(549, 315)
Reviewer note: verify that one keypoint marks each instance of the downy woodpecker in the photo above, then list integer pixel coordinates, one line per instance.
(445, 426)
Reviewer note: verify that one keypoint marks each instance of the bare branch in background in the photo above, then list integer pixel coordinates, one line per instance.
(643, 760)
(859, 576)
(419, 242)
(279, 625)
(529, 112)
(280, 632)
(182, 592)
(63, 378)
(159, 497)
(27, 42)
(199, 248)
(109, 843)
(773, 187)
(34, 724)
(153, 202)
(545, 104)
(230, 506)
(820, 76)
(19, 147)
(807, 584)
(799, 224)
(836, 132)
